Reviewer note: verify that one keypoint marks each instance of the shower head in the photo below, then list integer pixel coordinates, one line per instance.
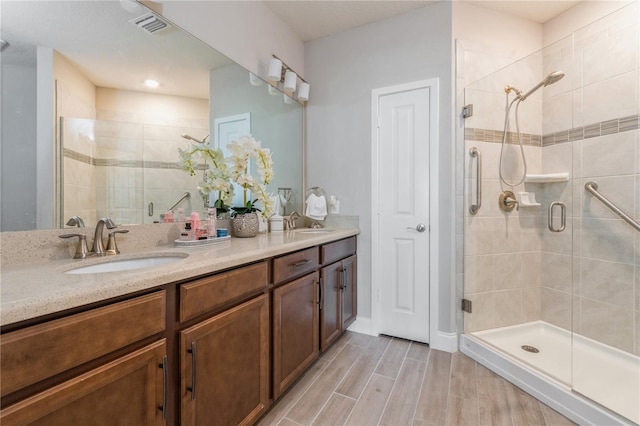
(550, 79)
(191, 138)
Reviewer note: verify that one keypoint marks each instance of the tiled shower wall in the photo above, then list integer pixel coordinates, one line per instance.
(117, 168)
(587, 277)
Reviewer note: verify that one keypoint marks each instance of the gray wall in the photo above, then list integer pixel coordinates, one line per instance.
(278, 126)
(342, 71)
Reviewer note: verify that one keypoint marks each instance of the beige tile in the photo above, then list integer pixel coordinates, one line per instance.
(531, 304)
(358, 339)
(336, 347)
(508, 271)
(462, 411)
(392, 358)
(607, 324)
(287, 422)
(607, 239)
(310, 404)
(478, 273)
(463, 377)
(402, 402)
(368, 409)
(553, 418)
(336, 411)
(556, 272)
(508, 307)
(556, 307)
(525, 410)
(284, 404)
(507, 236)
(531, 267)
(492, 401)
(608, 282)
(357, 378)
(432, 404)
(482, 316)
(419, 351)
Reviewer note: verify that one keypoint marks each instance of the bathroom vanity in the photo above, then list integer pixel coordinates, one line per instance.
(213, 338)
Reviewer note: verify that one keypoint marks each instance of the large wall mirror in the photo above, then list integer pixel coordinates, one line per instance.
(83, 136)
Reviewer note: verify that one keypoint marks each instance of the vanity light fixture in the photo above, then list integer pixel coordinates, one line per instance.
(281, 72)
(290, 80)
(254, 80)
(273, 91)
(151, 84)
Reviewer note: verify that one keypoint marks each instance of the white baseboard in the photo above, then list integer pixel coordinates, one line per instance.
(362, 325)
(447, 342)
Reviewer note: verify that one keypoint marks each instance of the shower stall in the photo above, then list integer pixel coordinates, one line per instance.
(551, 271)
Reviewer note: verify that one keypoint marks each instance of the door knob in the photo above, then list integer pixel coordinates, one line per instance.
(421, 227)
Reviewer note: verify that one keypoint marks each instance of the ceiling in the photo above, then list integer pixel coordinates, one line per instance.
(111, 51)
(312, 19)
(110, 44)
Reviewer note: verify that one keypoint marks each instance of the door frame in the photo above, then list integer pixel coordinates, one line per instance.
(436, 340)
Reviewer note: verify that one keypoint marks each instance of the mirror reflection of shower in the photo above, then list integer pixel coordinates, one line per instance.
(285, 197)
(549, 79)
(191, 138)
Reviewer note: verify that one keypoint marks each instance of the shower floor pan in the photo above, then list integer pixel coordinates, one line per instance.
(600, 373)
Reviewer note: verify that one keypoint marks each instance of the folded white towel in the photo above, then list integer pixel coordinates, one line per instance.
(316, 207)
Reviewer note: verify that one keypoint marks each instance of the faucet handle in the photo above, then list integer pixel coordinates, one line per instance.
(81, 249)
(112, 247)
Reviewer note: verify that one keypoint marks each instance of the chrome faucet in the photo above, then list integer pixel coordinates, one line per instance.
(98, 243)
(76, 221)
(291, 222)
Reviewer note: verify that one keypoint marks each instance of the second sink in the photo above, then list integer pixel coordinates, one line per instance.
(117, 265)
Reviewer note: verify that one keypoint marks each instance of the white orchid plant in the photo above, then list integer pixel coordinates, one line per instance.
(222, 171)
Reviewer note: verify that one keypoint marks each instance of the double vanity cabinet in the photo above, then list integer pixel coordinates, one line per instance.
(214, 349)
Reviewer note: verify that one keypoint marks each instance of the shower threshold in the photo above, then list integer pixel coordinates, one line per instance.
(600, 373)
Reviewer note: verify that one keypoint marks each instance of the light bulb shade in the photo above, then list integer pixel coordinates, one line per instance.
(290, 80)
(303, 91)
(275, 70)
(254, 80)
(273, 91)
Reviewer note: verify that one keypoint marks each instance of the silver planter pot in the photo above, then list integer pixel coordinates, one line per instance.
(245, 225)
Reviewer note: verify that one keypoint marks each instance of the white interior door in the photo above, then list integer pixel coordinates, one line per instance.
(403, 198)
(227, 129)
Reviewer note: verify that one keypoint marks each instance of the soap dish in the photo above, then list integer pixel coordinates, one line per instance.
(527, 199)
(199, 243)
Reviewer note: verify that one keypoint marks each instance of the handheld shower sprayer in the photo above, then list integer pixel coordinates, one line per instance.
(549, 79)
(191, 138)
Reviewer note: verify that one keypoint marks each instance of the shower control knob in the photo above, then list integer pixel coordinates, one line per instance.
(421, 227)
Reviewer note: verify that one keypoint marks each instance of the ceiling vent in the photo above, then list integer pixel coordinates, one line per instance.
(150, 23)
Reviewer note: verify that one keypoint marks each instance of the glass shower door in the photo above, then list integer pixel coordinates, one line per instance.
(606, 342)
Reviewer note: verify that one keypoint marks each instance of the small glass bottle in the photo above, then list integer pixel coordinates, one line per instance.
(212, 222)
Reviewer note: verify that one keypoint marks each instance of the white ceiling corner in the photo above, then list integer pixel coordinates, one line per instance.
(312, 19)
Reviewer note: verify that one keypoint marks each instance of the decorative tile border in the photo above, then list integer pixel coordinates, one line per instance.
(603, 128)
(100, 162)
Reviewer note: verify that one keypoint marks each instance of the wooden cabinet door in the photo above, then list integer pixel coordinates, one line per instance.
(349, 291)
(330, 304)
(225, 366)
(128, 391)
(295, 330)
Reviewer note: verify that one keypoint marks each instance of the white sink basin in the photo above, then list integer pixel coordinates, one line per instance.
(315, 231)
(116, 265)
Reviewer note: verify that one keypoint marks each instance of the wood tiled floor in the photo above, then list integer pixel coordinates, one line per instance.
(364, 380)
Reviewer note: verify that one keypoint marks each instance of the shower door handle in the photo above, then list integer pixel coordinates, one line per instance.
(563, 216)
(473, 209)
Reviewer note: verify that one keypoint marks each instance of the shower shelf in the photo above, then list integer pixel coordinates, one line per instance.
(547, 178)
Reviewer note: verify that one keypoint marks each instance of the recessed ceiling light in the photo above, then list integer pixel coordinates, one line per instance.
(152, 84)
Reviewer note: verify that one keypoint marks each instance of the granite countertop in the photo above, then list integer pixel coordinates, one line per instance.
(32, 290)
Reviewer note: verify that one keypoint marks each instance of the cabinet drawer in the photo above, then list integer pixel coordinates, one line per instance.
(338, 250)
(36, 353)
(295, 264)
(206, 294)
